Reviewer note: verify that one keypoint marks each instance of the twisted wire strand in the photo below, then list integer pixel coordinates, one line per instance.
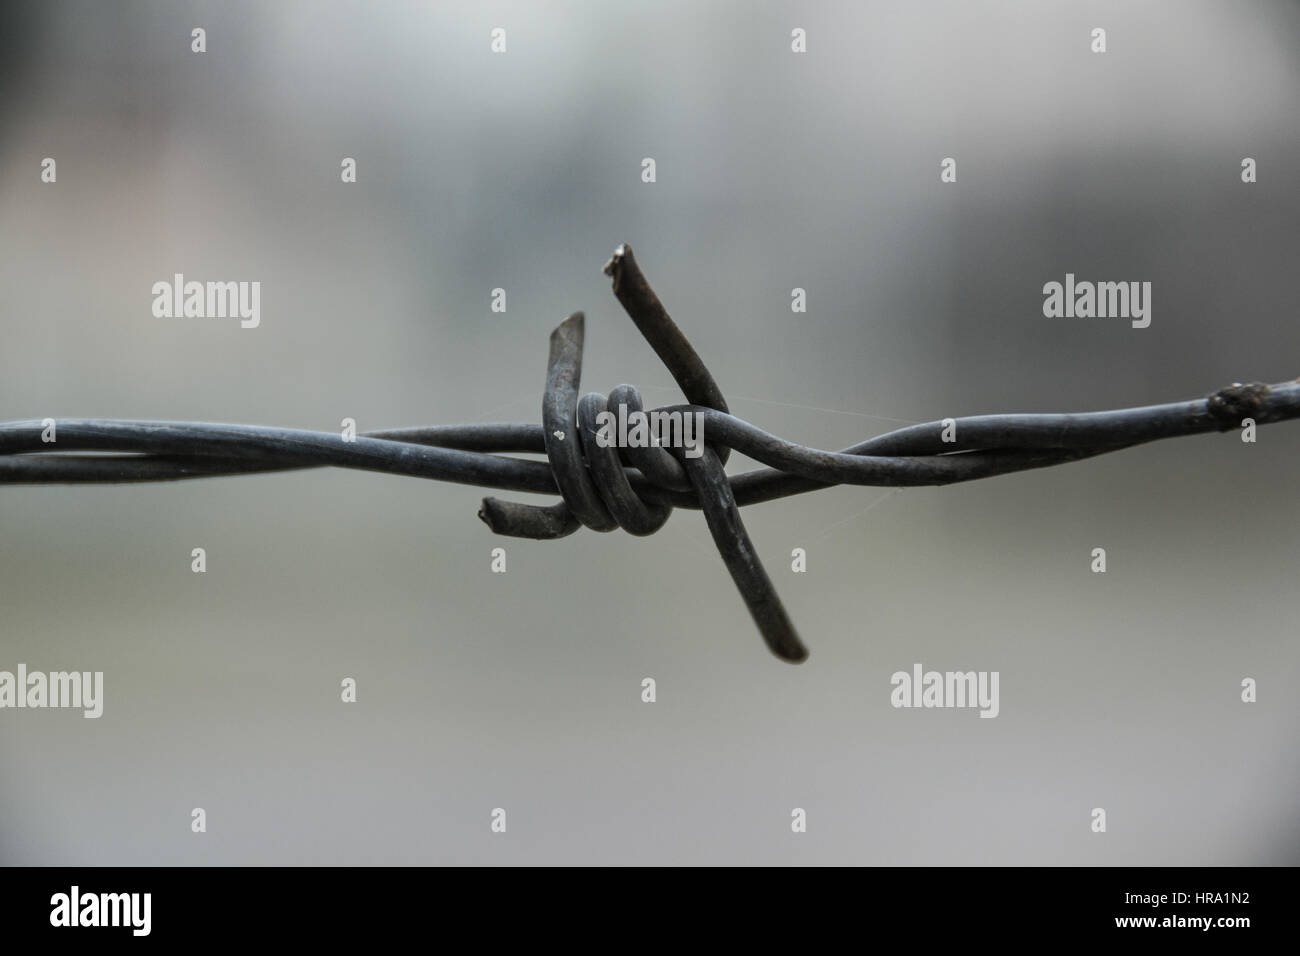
(634, 488)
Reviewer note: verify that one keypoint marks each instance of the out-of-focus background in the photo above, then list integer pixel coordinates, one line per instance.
(775, 170)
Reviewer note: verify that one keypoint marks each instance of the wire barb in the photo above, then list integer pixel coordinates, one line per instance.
(635, 488)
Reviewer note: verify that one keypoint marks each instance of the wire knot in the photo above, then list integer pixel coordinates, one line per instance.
(589, 474)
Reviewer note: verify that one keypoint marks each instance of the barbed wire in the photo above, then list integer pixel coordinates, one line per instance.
(635, 488)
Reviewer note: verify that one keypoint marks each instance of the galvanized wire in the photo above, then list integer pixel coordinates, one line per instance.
(634, 488)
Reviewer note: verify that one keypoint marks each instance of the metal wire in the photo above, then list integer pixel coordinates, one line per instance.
(604, 488)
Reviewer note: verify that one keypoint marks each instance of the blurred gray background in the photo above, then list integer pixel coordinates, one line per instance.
(775, 170)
